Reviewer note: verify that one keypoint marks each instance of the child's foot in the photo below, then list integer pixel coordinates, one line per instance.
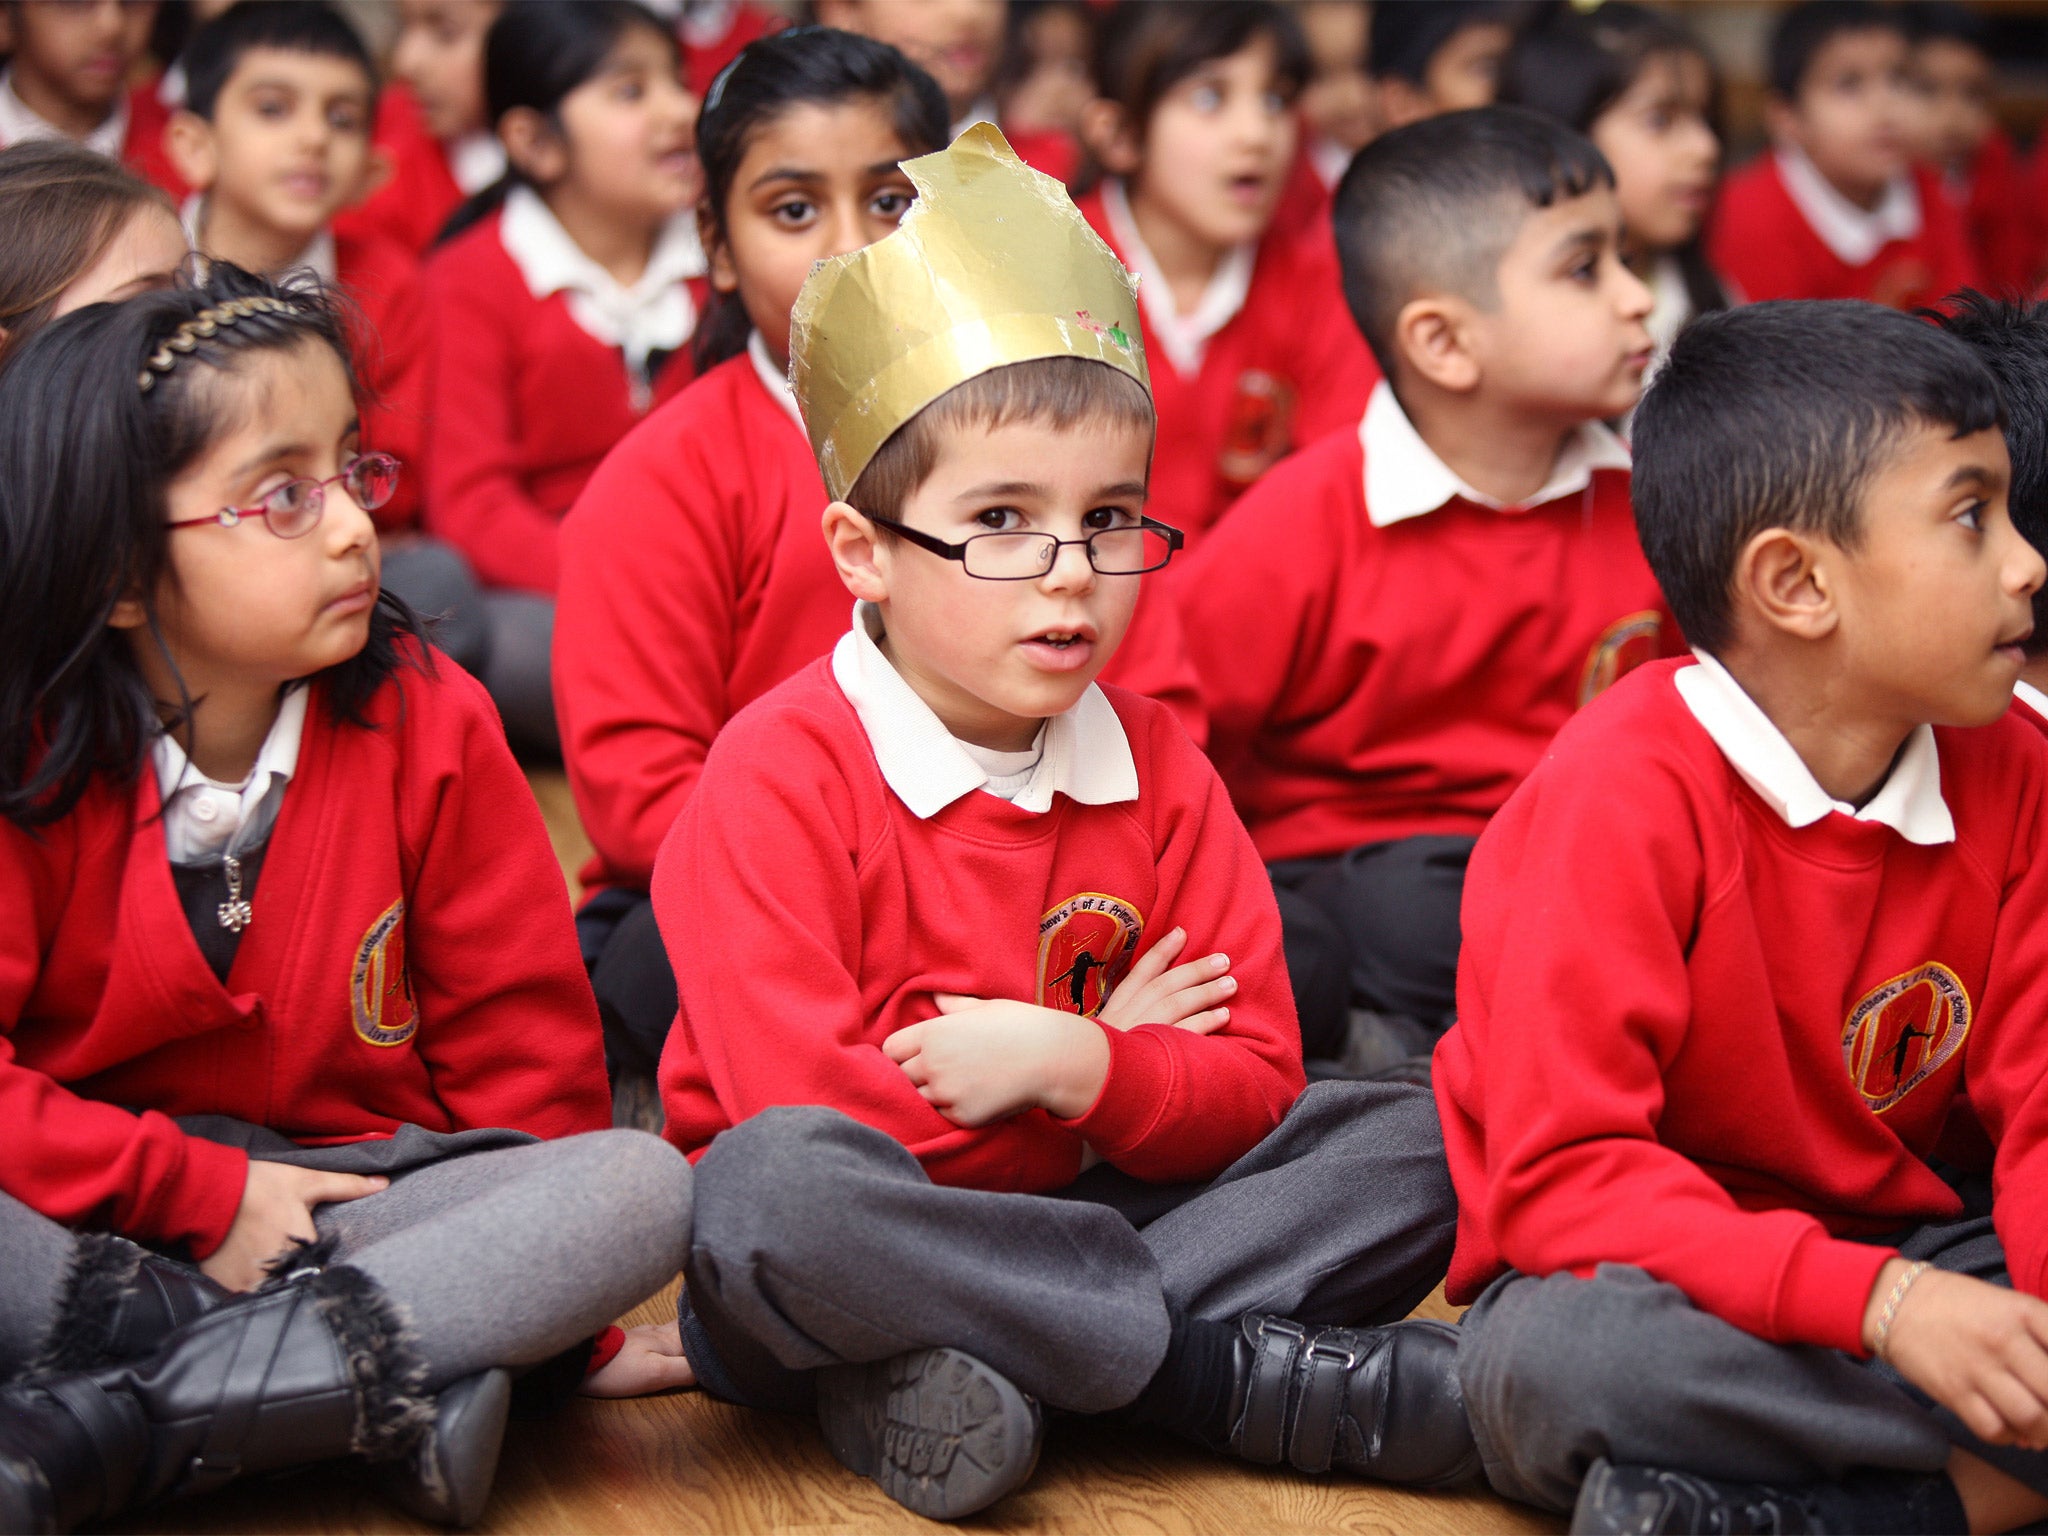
(942, 1433)
(1654, 1501)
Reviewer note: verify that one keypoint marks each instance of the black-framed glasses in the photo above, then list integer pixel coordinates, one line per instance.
(293, 508)
(1131, 550)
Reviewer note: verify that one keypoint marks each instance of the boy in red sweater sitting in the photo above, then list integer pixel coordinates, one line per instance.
(1761, 936)
(993, 1124)
(1835, 209)
(1393, 624)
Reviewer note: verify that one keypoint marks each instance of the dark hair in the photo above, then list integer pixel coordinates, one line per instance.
(1776, 416)
(61, 205)
(1927, 21)
(1439, 202)
(216, 50)
(1407, 34)
(535, 54)
(2010, 336)
(86, 459)
(805, 65)
(1803, 30)
(1574, 66)
(1143, 51)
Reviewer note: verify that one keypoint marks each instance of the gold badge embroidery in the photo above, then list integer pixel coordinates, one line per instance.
(1903, 1031)
(1626, 645)
(1085, 947)
(380, 991)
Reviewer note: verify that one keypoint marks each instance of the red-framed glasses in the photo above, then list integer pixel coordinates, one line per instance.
(293, 508)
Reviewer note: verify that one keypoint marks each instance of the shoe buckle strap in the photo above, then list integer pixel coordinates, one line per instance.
(1319, 1410)
(118, 1439)
(241, 1393)
(1277, 1347)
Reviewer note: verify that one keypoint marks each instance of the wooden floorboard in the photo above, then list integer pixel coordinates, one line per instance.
(683, 1464)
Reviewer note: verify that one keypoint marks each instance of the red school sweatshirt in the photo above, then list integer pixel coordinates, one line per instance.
(524, 403)
(695, 578)
(809, 915)
(421, 192)
(393, 348)
(1372, 683)
(1761, 242)
(1693, 1039)
(411, 959)
(1289, 368)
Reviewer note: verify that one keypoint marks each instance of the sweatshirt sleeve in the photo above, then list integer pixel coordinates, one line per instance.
(646, 627)
(759, 895)
(78, 1161)
(508, 1028)
(474, 497)
(1177, 1105)
(1574, 973)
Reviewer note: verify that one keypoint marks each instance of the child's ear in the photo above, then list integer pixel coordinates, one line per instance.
(129, 613)
(1786, 578)
(1433, 337)
(533, 146)
(1402, 102)
(188, 141)
(1107, 131)
(854, 545)
(725, 277)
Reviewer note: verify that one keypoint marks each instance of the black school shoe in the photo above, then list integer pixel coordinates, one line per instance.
(941, 1432)
(1379, 1402)
(1655, 1501)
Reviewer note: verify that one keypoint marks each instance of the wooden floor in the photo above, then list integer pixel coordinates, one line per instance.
(684, 1464)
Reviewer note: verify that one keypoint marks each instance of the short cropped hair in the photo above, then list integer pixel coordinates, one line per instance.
(1803, 30)
(290, 26)
(1777, 416)
(1406, 34)
(1436, 204)
(1061, 392)
(2010, 336)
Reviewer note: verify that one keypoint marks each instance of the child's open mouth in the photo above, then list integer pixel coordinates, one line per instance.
(1060, 650)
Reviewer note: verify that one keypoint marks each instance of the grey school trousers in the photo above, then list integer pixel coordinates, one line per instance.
(497, 1257)
(820, 1241)
(1559, 1371)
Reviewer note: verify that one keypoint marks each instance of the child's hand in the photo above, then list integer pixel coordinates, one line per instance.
(1188, 996)
(651, 1360)
(983, 1059)
(1978, 1349)
(277, 1206)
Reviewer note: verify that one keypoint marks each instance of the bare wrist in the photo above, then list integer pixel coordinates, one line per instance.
(1079, 1067)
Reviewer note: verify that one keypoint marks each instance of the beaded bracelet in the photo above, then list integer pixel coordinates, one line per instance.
(1888, 1313)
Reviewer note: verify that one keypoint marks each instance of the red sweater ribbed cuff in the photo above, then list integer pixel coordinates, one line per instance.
(1133, 1091)
(198, 1205)
(1825, 1290)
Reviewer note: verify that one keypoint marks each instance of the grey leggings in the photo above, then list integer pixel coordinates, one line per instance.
(503, 1257)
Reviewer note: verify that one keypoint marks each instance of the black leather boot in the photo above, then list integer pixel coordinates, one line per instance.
(311, 1367)
(1656, 1501)
(1380, 1402)
(120, 1302)
(943, 1434)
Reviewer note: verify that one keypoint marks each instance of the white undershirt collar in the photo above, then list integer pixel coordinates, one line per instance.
(1404, 478)
(2032, 697)
(1082, 754)
(774, 380)
(1183, 338)
(1910, 801)
(19, 123)
(475, 160)
(1854, 234)
(204, 817)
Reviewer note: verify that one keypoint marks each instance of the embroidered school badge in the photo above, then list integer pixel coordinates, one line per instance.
(1085, 947)
(380, 991)
(1626, 645)
(1258, 429)
(1903, 1031)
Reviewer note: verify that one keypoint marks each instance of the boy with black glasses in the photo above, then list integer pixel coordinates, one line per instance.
(982, 992)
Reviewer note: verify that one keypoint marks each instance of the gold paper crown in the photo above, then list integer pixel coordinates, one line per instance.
(992, 265)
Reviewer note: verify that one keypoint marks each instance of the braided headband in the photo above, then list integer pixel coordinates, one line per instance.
(187, 337)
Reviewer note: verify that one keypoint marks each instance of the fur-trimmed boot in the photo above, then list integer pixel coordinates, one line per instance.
(313, 1366)
(120, 1302)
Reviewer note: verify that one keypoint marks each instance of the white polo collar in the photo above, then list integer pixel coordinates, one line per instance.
(774, 380)
(19, 123)
(1910, 801)
(1183, 338)
(2032, 697)
(655, 314)
(204, 817)
(475, 160)
(1404, 478)
(1853, 234)
(319, 255)
(1083, 753)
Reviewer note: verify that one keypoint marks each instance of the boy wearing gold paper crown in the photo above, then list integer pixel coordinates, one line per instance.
(978, 1130)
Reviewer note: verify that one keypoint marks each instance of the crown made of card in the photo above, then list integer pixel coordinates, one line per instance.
(992, 265)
